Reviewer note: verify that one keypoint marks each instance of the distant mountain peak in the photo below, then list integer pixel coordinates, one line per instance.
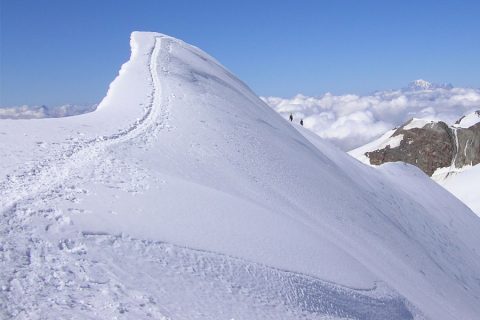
(421, 84)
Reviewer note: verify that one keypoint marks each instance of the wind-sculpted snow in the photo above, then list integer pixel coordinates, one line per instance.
(350, 120)
(121, 276)
(184, 196)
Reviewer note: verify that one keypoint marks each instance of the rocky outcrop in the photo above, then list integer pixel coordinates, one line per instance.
(468, 145)
(433, 145)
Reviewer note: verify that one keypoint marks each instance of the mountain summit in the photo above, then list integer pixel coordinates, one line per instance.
(421, 84)
(184, 196)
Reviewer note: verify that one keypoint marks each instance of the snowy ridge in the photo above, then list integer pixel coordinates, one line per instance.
(469, 120)
(359, 153)
(39, 179)
(416, 123)
(183, 178)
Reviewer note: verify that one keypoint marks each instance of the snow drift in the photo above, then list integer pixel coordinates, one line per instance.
(185, 196)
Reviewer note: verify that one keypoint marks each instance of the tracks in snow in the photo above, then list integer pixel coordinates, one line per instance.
(37, 253)
(48, 174)
(55, 271)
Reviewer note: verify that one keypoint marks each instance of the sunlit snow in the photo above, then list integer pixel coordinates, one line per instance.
(184, 196)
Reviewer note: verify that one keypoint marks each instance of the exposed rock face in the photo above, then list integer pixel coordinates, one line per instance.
(433, 145)
(468, 146)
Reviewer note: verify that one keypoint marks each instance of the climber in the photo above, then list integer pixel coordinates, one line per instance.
(291, 117)
(301, 122)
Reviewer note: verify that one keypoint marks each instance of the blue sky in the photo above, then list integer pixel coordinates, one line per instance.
(55, 52)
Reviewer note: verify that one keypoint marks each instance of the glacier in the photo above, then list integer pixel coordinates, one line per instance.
(184, 196)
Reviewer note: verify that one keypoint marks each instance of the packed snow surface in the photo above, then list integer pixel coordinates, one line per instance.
(184, 196)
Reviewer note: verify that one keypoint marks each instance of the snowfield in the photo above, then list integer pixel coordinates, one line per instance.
(184, 196)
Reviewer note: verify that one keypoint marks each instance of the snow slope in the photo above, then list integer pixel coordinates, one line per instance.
(468, 120)
(184, 196)
(464, 185)
(384, 140)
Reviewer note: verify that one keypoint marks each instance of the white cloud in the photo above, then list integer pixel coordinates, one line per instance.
(348, 120)
(351, 120)
(37, 112)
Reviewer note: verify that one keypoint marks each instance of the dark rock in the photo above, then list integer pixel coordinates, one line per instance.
(434, 146)
(468, 146)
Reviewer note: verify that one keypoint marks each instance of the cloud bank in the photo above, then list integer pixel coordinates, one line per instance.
(350, 121)
(38, 112)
